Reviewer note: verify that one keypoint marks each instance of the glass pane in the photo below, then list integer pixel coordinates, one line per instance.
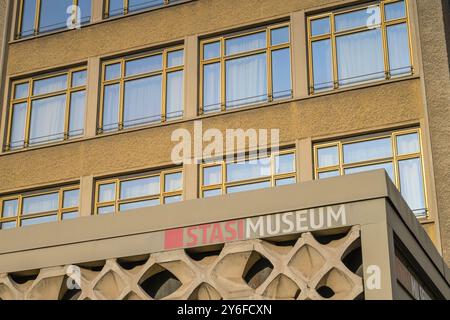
(139, 205)
(211, 87)
(115, 7)
(54, 14)
(34, 221)
(106, 210)
(322, 65)
(212, 175)
(175, 58)
(408, 143)
(285, 182)
(285, 163)
(328, 157)
(280, 36)
(386, 166)
(70, 215)
(367, 150)
(107, 192)
(139, 188)
(411, 184)
(19, 118)
(76, 121)
(10, 208)
(245, 43)
(360, 57)
(47, 119)
(135, 5)
(50, 85)
(8, 225)
(361, 18)
(111, 107)
(173, 182)
(43, 203)
(248, 170)
(398, 44)
(329, 174)
(174, 199)
(143, 65)
(28, 14)
(175, 95)
(395, 10)
(21, 91)
(85, 10)
(281, 74)
(320, 26)
(112, 71)
(212, 193)
(71, 198)
(142, 101)
(211, 50)
(249, 187)
(246, 80)
(79, 78)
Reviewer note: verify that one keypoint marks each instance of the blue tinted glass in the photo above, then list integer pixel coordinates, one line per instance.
(386, 166)
(320, 26)
(85, 10)
(174, 199)
(211, 50)
(329, 174)
(54, 14)
(112, 71)
(361, 18)
(28, 14)
(111, 107)
(138, 205)
(411, 185)
(249, 187)
(212, 193)
(106, 210)
(322, 65)
(398, 44)
(408, 143)
(280, 36)
(76, 121)
(30, 222)
(328, 157)
(281, 73)
(8, 225)
(285, 182)
(115, 7)
(70, 215)
(134, 5)
(395, 10)
(211, 87)
(71, 198)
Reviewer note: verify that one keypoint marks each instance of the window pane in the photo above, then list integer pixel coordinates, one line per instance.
(49, 85)
(21, 90)
(106, 210)
(328, 157)
(285, 163)
(19, 118)
(10, 208)
(212, 175)
(138, 205)
(47, 119)
(360, 57)
(367, 150)
(143, 65)
(285, 182)
(249, 187)
(135, 5)
(360, 18)
(395, 10)
(322, 65)
(211, 50)
(111, 107)
(173, 182)
(329, 174)
(320, 26)
(386, 166)
(281, 73)
(248, 170)
(115, 7)
(246, 43)
(212, 193)
(175, 58)
(107, 192)
(85, 10)
(174, 199)
(174, 94)
(139, 188)
(43, 203)
(246, 80)
(142, 101)
(79, 78)
(71, 198)
(54, 14)
(398, 44)
(8, 225)
(408, 143)
(112, 71)
(28, 13)
(411, 184)
(34, 221)
(280, 36)
(211, 87)
(70, 215)
(76, 121)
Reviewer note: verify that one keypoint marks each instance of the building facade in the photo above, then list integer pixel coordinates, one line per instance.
(98, 95)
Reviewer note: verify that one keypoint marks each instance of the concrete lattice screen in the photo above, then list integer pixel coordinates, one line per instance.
(309, 266)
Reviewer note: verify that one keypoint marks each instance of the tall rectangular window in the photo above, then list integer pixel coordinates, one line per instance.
(139, 191)
(239, 175)
(142, 89)
(399, 153)
(365, 43)
(40, 16)
(47, 108)
(121, 7)
(38, 207)
(245, 69)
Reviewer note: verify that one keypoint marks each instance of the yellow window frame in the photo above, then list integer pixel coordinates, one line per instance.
(126, 7)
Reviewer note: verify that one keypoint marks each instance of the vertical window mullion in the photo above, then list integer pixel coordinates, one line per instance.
(29, 111)
(223, 76)
(334, 52)
(121, 94)
(387, 68)
(117, 199)
(37, 17)
(125, 6)
(164, 86)
(269, 64)
(68, 103)
(20, 20)
(19, 211)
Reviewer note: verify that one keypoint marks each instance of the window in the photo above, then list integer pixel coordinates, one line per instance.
(245, 69)
(225, 177)
(40, 16)
(142, 89)
(362, 44)
(47, 109)
(133, 192)
(121, 7)
(399, 153)
(39, 207)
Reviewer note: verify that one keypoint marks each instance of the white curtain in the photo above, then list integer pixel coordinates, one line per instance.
(9, 208)
(77, 105)
(323, 73)
(246, 43)
(173, 182)
(211, 87)
(111, 107)
(50, 85)
(18, 125)
(246, 80)
(328, 157)
(411, 184)
(245, 170)
(139, 188)
(398, 44)
(47, 119)
(367, 150)
(44, 203)
(175, 94)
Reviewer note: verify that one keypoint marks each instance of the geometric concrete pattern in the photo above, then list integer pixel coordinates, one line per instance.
(311, 266)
